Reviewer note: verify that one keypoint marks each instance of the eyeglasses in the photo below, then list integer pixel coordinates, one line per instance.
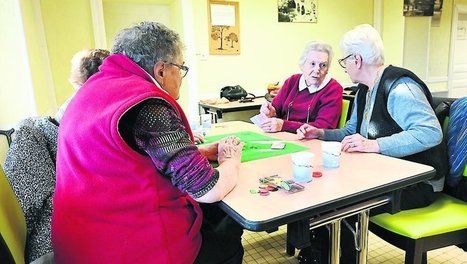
(183, 69)
(342, 61)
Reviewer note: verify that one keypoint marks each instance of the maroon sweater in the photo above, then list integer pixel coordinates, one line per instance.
(322, 108)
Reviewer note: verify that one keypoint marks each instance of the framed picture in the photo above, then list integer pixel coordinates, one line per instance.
(419, 7)
(224, 28)
(298, 11)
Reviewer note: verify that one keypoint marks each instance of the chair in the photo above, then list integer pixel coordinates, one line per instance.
(443, 223)
(344, 114)
(12, 225)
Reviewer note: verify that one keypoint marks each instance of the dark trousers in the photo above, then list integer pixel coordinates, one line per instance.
(416, 196)
(222, 238)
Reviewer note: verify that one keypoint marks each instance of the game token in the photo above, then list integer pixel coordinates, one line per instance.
(253, 191)
(264, 193)
(285, 185)
(317, 174)
(263, 186)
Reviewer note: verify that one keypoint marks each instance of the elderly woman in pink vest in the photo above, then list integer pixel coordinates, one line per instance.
(131, 185)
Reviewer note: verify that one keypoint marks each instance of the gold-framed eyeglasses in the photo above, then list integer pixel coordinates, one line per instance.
(183, 69)
(342, 61)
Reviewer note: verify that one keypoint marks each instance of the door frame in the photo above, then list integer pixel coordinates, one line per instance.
(456, 9)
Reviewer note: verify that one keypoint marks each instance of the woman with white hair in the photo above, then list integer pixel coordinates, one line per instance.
(392, 115)
(311, 97)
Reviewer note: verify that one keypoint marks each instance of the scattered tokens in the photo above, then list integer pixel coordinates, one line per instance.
(273, 183)
(317, 174)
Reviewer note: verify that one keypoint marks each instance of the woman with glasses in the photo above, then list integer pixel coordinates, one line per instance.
(131, 185)
(392, 115)
(311, 97)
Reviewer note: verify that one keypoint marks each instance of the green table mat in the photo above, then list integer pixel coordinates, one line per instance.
(257, 146)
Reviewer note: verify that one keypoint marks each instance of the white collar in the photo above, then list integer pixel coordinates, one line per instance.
(313, 89)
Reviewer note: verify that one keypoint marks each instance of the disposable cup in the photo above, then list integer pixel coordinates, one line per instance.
(206, 120)
(302, 166)
(331, 152)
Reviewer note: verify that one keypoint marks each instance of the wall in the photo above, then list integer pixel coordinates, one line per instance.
(68, 29)
(16, 97)
(270, 50)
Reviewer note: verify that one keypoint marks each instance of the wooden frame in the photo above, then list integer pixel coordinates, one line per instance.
(224, 27)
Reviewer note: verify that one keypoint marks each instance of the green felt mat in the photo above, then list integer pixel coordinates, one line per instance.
(257, 146)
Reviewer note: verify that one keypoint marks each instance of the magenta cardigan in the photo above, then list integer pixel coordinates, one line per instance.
(323, 108)
(110, 203)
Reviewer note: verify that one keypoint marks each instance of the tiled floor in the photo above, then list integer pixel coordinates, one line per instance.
(262, 247)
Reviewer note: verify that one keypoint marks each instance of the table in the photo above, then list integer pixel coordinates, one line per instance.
(363, 181)
(235, 106)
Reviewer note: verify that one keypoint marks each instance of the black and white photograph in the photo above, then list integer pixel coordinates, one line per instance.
(299, 11)
(419, 7)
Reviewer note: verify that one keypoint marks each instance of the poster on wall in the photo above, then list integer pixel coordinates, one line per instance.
(224, 28)
(298, 11)
(419, 7)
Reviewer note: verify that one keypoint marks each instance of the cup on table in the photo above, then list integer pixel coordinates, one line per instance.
(206, 120)
(302, 166)
(331, 151)
(195, 123)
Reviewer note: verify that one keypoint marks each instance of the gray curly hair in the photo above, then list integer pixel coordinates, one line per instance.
(148, 43)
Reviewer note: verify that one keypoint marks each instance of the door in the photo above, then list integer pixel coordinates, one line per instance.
(458, 61)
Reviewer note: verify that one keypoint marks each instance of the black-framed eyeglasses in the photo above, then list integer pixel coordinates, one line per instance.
(342, 61)
(183, 69)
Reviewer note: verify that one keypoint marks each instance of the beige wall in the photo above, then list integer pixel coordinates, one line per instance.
(270, 50)
(35, 81)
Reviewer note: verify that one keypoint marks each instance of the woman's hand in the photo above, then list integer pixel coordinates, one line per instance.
(209, 150)
(198, 137)
(358, 143)
(272, 125)
(230, 148)
(310, 132)
(268, 109)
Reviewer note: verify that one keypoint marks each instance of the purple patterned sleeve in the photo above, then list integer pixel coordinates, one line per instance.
(161, 134)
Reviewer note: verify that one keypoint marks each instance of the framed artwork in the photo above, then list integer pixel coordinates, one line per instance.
(298, 11)
(224, 28)
(419, 7)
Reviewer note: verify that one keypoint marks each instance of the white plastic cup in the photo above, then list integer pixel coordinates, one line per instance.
(206, 120)
(302, 166)
(331, 151)
(195, 123)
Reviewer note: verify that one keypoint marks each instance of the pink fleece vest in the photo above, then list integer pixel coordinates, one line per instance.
(110, 203)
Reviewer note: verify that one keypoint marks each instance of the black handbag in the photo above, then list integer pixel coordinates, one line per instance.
(233, 93)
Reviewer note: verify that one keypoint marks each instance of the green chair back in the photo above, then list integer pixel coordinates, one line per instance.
(12, 222)
(344, 114)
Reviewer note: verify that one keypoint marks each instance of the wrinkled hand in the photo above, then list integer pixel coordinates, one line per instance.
(272, 125)
(209, 150)
(358, 143)
(198, 137)
(310, 132)
(229, 148)
(268, 110)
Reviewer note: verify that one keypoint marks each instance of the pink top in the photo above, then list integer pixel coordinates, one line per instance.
(322, 108)
(110, 203)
